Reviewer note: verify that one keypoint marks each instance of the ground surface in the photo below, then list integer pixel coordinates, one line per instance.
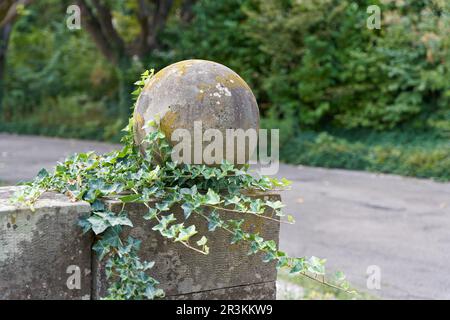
(354, 219)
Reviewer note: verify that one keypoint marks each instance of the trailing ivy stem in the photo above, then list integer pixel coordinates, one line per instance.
(250, 212)
(323, 281)
(195, 249)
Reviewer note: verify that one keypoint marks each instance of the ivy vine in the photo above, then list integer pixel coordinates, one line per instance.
(133, 177)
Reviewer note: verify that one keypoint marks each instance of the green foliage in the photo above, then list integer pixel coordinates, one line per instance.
(314, 62)
(410, 153)
(199, 190)
(56, 81)
(133, 280)
(326, 67)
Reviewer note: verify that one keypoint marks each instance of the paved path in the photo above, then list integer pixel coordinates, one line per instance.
(354, 219)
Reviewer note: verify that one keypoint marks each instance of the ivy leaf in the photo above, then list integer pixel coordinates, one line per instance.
(134, 243)
(255, 206)
(91, 195)
(186, 233)
(165, 221)
(162, 206)
(226, 166)
(345, 285)
(159, 227)
(208, 173)
(187, 209)
(282, 262)
(148, 265)
(202, 241)
(118, 220)
(111, 188)
(98, 223)
(271, 245)
(101, 248)
(84, 224)
(130, 198)
(275, 204)
(235, 200)
(214, 221)
(97, 205)
(150, 292)
(237, 236)
(151, 214)
(43, 173)
(112, 236)
(316, 265)
(254, 247)
(298, 266)
(269, 257)
(235, 224)
(96, 184)
(339, 275)
(285, 182)
(212, 197)
(172, 231)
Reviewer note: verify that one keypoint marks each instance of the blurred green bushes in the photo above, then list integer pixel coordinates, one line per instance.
(315, 63)
(313, 66)
(409, 153)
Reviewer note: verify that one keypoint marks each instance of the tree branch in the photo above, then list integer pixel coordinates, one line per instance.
(104, 18)
(5, 32)
(186, 10)
(143, 15)
(8, 10)
(161, 10)
(93, 26)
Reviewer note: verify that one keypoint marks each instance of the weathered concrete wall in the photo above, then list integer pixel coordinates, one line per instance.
(37, 249)
(227, 271)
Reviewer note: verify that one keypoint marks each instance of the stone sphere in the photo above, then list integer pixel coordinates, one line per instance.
(191, 91)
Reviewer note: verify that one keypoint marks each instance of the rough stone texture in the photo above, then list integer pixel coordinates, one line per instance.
(226, 272)
(36, 248)
(196, 90)
(257, 291)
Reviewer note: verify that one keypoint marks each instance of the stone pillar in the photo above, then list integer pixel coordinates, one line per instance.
(41, 250)
(227, 272)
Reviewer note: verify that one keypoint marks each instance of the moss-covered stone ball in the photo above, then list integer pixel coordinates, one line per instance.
(191, 91)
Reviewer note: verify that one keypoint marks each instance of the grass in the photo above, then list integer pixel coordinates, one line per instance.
(422, 154)
(301, 288)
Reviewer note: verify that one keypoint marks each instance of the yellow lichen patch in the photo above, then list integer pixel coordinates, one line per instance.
(232, 80)
(168, 122)
(13, 218)
(139, 121)
(182, 66)
(202, 89)
(157, 77)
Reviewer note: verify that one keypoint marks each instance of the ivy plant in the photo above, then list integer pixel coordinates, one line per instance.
(133, 177)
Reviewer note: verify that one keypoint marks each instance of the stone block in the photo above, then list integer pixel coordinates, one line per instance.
(41, 250)
(227, 272)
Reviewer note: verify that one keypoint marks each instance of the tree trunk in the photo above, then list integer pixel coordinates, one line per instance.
(5, 32)
(125, 87)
